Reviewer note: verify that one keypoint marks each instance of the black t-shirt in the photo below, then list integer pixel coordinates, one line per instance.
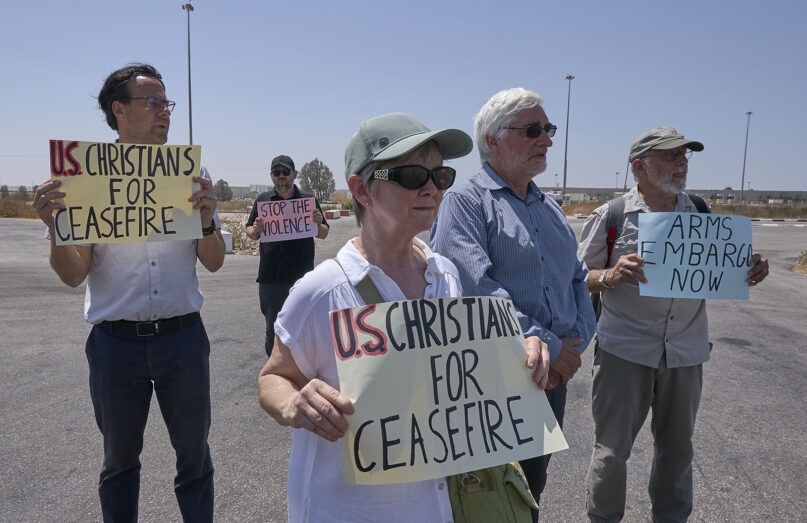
(284, 261)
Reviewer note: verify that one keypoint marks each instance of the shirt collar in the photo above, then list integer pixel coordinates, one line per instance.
(489, 179)
(356, 266)
(296, 194)
(634, 202)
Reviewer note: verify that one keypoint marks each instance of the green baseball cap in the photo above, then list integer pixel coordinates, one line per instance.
(394, 135)
(662, 138)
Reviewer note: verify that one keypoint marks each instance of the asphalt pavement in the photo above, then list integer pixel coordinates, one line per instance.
(750, 445)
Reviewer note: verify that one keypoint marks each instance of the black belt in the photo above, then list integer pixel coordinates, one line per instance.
(150, 328)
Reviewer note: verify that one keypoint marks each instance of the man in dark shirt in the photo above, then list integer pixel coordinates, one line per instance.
(282, 262)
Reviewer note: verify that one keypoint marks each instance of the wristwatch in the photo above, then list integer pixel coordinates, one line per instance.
(602, 279)
(207, 231)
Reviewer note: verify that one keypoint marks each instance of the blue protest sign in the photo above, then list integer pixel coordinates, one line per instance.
(692, 255)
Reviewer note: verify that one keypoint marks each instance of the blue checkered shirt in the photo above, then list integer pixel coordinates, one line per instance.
(521, 249)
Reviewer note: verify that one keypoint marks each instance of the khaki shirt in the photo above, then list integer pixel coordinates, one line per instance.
(638, 328)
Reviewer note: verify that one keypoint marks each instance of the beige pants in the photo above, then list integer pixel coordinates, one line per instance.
(622, 394)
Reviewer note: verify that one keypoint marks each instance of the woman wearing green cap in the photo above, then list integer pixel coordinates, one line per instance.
(394, 168)
(299, 385)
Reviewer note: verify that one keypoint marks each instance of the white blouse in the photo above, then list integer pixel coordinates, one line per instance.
(316, 492)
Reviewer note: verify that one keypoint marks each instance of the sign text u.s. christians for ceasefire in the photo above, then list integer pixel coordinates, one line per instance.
(125, 193)
(439, 387)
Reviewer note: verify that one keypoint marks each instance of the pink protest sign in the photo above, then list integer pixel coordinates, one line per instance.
(287, 219)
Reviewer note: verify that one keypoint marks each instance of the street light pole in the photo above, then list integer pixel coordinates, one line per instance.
(188, 7)
(566, 145)
(745, 152)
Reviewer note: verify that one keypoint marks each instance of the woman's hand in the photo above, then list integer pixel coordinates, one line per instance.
(319, 408)
(292, 399)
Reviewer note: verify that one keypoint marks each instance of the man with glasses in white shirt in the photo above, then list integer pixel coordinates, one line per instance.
(143, 300)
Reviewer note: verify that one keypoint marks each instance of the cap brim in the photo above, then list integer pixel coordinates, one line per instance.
(678, 142)
(453, 143)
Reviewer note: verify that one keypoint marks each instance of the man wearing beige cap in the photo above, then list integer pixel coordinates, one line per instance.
(650, 351)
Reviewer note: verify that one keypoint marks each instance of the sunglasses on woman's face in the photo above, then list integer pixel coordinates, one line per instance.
(416, 176)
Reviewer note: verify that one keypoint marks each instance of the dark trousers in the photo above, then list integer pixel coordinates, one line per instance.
(272, 297)
(124, 369)
(535, 468)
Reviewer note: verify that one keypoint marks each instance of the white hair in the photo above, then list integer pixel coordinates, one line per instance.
(498, 113)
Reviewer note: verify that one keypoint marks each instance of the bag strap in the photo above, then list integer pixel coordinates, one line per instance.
(614, 217)
(366, 288)
(699, 204)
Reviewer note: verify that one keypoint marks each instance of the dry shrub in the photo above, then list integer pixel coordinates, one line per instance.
(13, 208)
(234, 223)
(801, 263)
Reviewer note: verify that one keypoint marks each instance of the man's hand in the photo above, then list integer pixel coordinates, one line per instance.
(759, 269)
(628, 269)
(567, 362)
(44, 203)
(204, 199)
(538, 359)
(319, 408)
(317, 217)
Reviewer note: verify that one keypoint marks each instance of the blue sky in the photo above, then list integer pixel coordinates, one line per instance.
(297, 78)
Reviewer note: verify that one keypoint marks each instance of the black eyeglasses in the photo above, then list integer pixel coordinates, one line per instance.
(281, 172)
(153, 103)
(416, 176)
(534, 129)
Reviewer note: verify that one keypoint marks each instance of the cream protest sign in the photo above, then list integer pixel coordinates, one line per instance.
(125, 193)
(439, 387)
(287, 219)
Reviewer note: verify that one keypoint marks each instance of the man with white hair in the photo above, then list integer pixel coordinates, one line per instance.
(509, 240)
(650, 351)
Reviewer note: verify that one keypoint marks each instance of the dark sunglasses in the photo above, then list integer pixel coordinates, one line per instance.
(281, 172)
(416, 176)
(534, 129)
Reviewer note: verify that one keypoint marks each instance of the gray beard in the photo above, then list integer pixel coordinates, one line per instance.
(673, 187)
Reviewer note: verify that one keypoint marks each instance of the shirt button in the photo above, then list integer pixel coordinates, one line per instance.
(546, 288)
(155, 291)
(441, 486)
(672, 317)
(153, 316)
(555, 318)
(542, 258)
(153, 263)
(667, 340)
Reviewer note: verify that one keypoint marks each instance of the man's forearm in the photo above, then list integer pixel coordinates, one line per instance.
(593, 281)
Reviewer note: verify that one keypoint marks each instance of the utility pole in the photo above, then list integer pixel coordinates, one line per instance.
(566, 145)
(188, 7)
(745, 153)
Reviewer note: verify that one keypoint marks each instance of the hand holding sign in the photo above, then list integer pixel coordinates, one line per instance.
(759, 269)
(538, 359)
(204, 200)
(319, 408)
(47, 199)
(628, 269)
